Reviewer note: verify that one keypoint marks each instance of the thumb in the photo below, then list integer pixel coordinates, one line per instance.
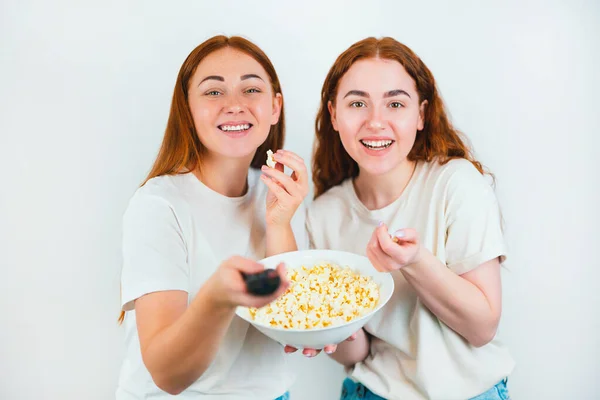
(406, 235)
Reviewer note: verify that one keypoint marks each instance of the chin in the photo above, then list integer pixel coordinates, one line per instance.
(239, 149)
(377, 168)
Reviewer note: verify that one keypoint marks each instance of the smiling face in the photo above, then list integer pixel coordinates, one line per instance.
(232, 104)
(377, 114)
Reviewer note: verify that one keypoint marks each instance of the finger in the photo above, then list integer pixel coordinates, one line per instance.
(310, 352)
(291, 154)
(284, 180)
(282, 270)
(400, 249)
(385, 262)
(295, 163)
(289, 349)
(278, 166)
(330, 349)
(376, 256)
(406, 235)
(385, 240)
(374, 259)
(371, 255)
(374, 241)
(245, 265)
(285, 283)
(274, 187)
(352, 337)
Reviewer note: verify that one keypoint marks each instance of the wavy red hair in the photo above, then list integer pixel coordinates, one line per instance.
(438, 139)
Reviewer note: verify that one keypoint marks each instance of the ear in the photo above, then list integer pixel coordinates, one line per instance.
(421, 122)
(277, 104)
(333, 116)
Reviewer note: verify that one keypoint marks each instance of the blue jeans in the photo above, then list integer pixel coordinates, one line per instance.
(354, 391)
(286, 396)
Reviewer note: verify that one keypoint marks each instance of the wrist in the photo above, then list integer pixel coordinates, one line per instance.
(418, 261)
(277, 227)
(214, 299)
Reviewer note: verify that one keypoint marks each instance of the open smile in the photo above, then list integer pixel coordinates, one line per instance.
(377, 144)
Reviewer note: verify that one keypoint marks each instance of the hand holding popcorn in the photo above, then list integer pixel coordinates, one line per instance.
(286, 192)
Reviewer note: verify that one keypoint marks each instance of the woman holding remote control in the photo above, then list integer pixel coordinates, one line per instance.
(193, 229)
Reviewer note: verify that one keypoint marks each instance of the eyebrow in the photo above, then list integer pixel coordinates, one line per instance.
(213, 77)
(391, 93)
(396, 92)
(249, 76)
(221, 79)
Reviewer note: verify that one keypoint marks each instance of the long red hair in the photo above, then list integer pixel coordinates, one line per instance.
(438, 139)
(181, 150)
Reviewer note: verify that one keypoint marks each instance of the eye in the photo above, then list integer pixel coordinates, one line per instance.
(213, 93)
(396, 104)
(358, 104)
(253, 90)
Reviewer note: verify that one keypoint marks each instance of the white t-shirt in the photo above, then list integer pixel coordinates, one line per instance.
(176, 232)
(413, 354)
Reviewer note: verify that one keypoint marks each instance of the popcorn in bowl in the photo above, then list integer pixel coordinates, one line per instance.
(321, 296)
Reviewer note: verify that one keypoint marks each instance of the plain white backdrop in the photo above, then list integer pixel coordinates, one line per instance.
(85, 89)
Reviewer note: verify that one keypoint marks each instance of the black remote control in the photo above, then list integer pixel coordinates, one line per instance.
(263, 283)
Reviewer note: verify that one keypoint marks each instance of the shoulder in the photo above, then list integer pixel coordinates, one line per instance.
(454, 168)
(159, 195)
(457, 176)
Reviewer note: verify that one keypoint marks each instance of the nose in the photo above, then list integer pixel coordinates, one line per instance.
(234, 105)
(375, 125)
(375, 122)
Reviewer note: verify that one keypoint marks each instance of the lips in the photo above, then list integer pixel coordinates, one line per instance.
(377, 144)
(235, 127)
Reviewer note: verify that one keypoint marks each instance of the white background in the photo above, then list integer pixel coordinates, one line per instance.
(85, 89)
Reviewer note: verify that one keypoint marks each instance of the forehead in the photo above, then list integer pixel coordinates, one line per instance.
(376, 75)
(229, 63)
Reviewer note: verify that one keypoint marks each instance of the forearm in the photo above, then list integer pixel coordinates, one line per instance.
(350, 353)
(280, 239)
(179, 354)
(455, 301)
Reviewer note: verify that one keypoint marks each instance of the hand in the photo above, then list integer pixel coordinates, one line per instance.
(286, 193)
(390, 253)
(308, 352)
(228, 288)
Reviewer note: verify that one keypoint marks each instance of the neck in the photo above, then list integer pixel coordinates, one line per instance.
(378, 191)
(228, 177)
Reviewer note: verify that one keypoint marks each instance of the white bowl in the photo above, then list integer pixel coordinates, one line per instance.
(318, 338)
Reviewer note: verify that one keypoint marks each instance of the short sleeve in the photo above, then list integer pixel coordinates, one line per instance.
(474, 223)
(154, 250)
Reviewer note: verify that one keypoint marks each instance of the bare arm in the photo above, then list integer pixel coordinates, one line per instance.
(280, 239)
(470, 304)
(351, 352)
(178, 343)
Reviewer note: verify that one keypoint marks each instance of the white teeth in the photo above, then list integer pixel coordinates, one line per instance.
(377, 144)
(235, 127)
